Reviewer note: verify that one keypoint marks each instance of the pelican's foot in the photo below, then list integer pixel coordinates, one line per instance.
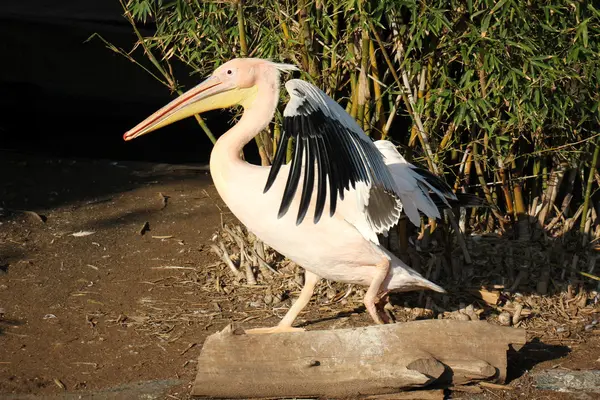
(274, 329)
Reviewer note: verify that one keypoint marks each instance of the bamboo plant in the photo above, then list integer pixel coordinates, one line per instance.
(493, 95)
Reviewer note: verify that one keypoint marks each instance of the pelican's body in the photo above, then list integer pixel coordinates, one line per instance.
(365, 184)
(332, 249)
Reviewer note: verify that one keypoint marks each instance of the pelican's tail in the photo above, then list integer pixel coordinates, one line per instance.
(432, 286)
(405, 279)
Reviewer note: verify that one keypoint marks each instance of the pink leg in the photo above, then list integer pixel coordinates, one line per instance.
(372, 296)
(285, 325)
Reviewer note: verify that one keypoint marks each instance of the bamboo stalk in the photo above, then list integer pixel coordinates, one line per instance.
(284, 28)
(263, 149)
(464, 170)
(520, 208)
(421, 129)
(410, 105)
(505, 188)
(354, 96)
(428, 85)
(551, 193)
(330, 89)
(391, 117)
(414, 133)
(334, 39)
(242, 28)
(263, 142)
(588, 188)
(276, 138)
(387, 59)
(417, 119)
(306, 38)
(484, 187)
(367, 119)
(379, 117)
(536, 184)
(447, 137)
(544, 174)
(500, 160)
(170, 80)
(391, 70)
(363, 83)
(562, 213)
(482, 77)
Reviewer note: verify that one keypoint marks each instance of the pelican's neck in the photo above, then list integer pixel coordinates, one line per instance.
(257, 116)
(226, 166)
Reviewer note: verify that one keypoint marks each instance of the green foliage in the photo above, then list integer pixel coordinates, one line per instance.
(520, 79)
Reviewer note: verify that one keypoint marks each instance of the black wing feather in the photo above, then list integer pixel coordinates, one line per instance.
(336, 176)
(279, 158)
(309, 176)
(323, 170)
(435, 181)
(324, 134)
(293, 178)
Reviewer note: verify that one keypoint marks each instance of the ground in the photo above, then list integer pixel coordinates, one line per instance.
(107, 279)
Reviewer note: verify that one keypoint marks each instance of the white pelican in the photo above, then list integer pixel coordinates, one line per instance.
(366, 184)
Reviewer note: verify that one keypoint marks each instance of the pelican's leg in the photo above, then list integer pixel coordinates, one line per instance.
(285, 325)
(372, 296)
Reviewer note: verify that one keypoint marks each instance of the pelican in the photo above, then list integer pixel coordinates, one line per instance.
(342, 189)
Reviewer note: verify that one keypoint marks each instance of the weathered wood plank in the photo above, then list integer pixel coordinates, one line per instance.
(347, 362)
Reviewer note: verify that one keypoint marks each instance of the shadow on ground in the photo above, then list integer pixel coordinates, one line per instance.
(37, 183)
(534, 352)
(138, 390)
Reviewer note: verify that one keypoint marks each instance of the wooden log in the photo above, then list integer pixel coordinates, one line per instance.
(349, 362)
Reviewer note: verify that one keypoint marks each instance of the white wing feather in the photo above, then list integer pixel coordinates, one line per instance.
(409, 184)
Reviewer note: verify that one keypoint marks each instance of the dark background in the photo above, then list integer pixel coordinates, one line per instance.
(61, 96)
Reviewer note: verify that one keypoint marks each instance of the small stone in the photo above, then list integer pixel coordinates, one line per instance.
(461, 316)
(504, 318)
(330, 293)
(268, 299)
(299, 278)
(277, 298)
(470, 311)
(568, 381)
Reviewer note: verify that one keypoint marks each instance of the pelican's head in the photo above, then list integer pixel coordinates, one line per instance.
(234, 83)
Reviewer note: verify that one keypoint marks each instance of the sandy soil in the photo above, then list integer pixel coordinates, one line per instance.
(87, 302)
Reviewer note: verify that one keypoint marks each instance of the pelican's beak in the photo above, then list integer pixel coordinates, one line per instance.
(211, 94)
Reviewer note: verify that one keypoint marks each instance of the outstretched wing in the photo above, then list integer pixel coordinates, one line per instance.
(419, 190)
(332, 149)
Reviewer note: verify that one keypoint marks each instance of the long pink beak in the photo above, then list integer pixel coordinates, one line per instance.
(188, 104)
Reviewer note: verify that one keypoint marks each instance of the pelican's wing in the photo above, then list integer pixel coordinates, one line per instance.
(331, 148)
(419, 190)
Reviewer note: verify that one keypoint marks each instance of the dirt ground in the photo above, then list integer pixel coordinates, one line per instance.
(88, 303)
